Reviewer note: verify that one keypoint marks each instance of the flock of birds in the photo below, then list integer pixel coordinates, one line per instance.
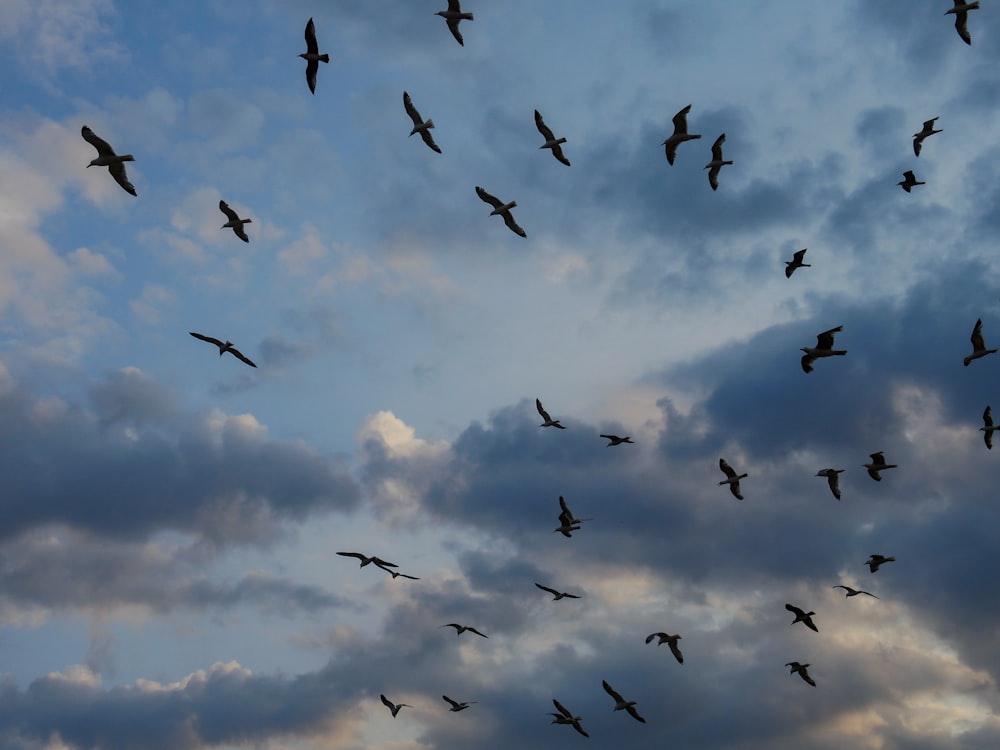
(568, 522)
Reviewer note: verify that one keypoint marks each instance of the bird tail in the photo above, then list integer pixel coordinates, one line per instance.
(126, 157)
(324, 58)
(839, 352)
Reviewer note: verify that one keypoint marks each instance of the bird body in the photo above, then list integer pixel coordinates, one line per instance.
(621, 704)
(802, 616)
(106, 157)
(831, 478)
(503, 209)
(875, 561)
(926, 132)
(453, 16)
(801, 669)
(549, 421)
(459, 629)
(557, 595)
(615, 440)
(732, 478)
(988, 429)
(823, 348)
(420, 125)
(551, 142)
(235, 222)
(717, 162)
(679, 135)
(978, 344)
(796, 262)
(670, 640)
(854, 592)
(394, 707)
(224, 347)
(458, 706)
(909, 181)
(312, 56)
(878, 464)
(961, 11)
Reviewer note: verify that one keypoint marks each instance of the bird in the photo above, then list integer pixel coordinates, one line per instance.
(615, 440)
(557, 594)
(223, 347)
(801, 669)
(459, 629)
(366, 560)
(396, 574)
(235, 222)
(106, 157)
(312, 56)
(978, 345)
(854, 592)
(796, 262)
(802, 616)
(823, 348)
(567, 529)
(926, 132)
(679, 135)
(454, 16)
(566, 517)
(622, 704)
(717, 162)
(670, 640)
(549, 421)
(565, 716)
(909, 180)
(875, 561)
(878, 464)
(499, 207)
(394, 707)
(733, 478)
(988, 429)
(961, 11)
(551, 142)
(420, 125)
(456, 706)
(831, 478)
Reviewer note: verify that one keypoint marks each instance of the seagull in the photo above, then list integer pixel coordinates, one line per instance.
(988, 429)
(557, 594)
(549, 422)
(878, 464)
(223, 347)
(420, 125)
(499, 207)
(551, 142)
(235, 222)
(961, 11)
(854, 592)
(734, 479)
(622, 704)
(459, 629)
(823, 348)
(456, 706)
(717, 162)
(365, 560)
(566, 717)
(566, 529)
(670, 640)
(396, 574)
(106, 157)
(875, 561)
(796, 262)
(909, 180)
(312, 56)
(801, 669)
(802, 616)
(394, 707)
(927, 131)
(679, 135)
(978, 345)
(831, 478)
(615, 440)
(454, 16)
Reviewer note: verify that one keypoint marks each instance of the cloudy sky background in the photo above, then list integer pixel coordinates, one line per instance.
(169, 520)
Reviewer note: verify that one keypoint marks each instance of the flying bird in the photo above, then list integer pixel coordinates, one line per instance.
(717, 162)
(420, 125)
(312, 56)
(875, 561)
(454, 16)
(670, 640)
(909, 181)
(854, 592)
(823, 348)
(394, 707)
(459, 629)
(802, 616)
(366, 560)
(733, 479)
(621, 704)
(796, 262)
(988, 429)
(549, 421)
(831, 478)
(565, 716)
(551, 142)
(615, 440)
(557, 595)
(396, 574)
(679, 135)
(456, 706)
(568, 523)
(223, 347)
(106, 157)
(235, 222)
(566, 529)
(801, 669)
(961, 11)
(927, 131)
(978, 344)
(878, 464)
(499, 207)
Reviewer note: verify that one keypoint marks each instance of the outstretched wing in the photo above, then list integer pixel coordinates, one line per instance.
(546, 588)
(544, 129)
(795, 610)
(311, 46)
(651, 636)
(239, 355)
(411, 110)
(961, 26)
(726, 468)
(612, 692)
(486, 197)
(209, 339)
(453, 28)
(681, 123)
(508, 219)
(717, 148)
(978, 342)
(473, 630)
(676, 651)
(562, 709)
(230, 213)
(546, 417)
(454, 704)
(102, 146)
(825, 339)
(117, 170)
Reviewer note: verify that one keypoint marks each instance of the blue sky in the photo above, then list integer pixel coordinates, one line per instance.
(169, 524)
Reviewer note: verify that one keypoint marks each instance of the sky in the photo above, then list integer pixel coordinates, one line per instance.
(170, 519)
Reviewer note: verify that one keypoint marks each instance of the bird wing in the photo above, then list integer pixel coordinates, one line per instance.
(121, 177)
(403, 575)
(810, 624)
(473, 630)
(547, 418)
(411, 110)
(239, 355)
(577, 727)
(680, 124)
(917, 143)
(717, 148)
(675, 650)
(379, 562)
(311, 46)
(486, 197)
(565, 712)
(453, 28)
(546, 588)
(798, 256)
(868, 593)
(230, 213)
(311, 69)
(544, 129)
(102, 146)
(795, 610)
(454, 6)
(961, 26)
(558, 153)
(651, 636)
(209, 339)
(671, 149)
(453, 703)
(804, 674)
(789, 270)
(429, 140)
(508, 219)
(834, 483)
(877, 458)
(825, 339)
(634, 714)
(387, 702)
(726, 468)
(807, 360)
(612, 692)
(988, 417)
(735, 489)
(713, 177)
(346, 554)
(978, 343)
